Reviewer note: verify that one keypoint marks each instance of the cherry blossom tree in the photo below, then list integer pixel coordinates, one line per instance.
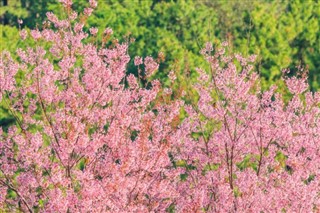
(88, 137)
(244, 150)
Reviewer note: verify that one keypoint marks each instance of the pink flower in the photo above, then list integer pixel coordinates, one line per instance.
(52, 17)
(296, 85)
(23, 34)
(78, 27)
(138, 61)
(132, 81)
(209, 47)
(252, 58)
(172, 76)
(73, 15)
(203, 76)
(150, 66)
(93, 30)
(36, 34)
(225, 43)
(93, 3)
(88, 11)
(108, 31)
(167, 91)
(67, 3)
(88, 138)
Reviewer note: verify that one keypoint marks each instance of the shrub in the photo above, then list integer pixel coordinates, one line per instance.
(87, 137)
(241, 149)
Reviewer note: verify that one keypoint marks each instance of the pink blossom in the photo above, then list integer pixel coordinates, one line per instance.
(297, 85)
(78, 27)
(23, 34)
(35, 34)
(93, 3)
(150, 65)
(138, 61)
(98, 144)
(67, 3)
(207, 49)
(167, 91)
(88, 137)
(73, 15)
(108, 31)
(252, 58)
(52, 17)
(225, 44)
(132, 81)
(203, 75)
(172, 76)
(88, 11)
(93, 30)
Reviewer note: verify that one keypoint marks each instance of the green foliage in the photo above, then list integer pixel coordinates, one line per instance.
(285, 34)
(5, 118)
(9, 39)
(31, 11)
(210, 167)
(247, 162)
(281, 158)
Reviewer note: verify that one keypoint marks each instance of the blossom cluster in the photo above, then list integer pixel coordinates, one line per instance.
(89, 137)
(242, 149)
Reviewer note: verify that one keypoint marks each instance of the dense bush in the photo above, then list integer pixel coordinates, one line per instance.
(241, 149)
(89, 136)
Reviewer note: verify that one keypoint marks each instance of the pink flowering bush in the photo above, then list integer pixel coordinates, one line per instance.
(90, 138)
(87, 138)
(243, 150)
